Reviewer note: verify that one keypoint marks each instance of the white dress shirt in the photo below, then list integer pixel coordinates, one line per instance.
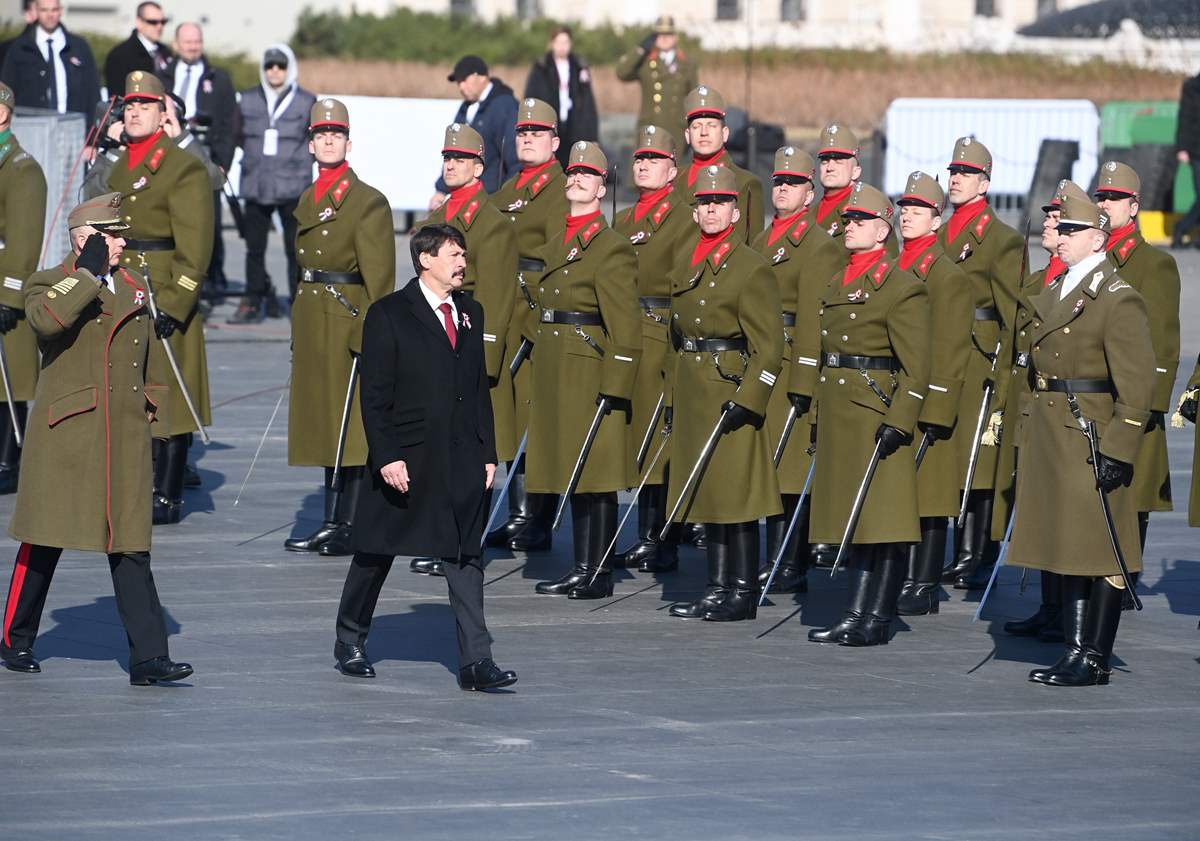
(473, 108)
(564, 88)
(1078, 272)
(58, 42)
(434, 302)
(188, 92)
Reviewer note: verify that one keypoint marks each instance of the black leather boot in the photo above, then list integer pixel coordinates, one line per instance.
(168, 500)
(964, 547)
(10, 453)
(667, 557)
(651, 510)
(891, 560)
(716, 543)
(921, 592)
(983, 549)
(314, 541)
(1099, 633)
(860, 575)
(536, 536)
(792, 576)
(742, 601)
(1076, 592)
(519, 510)
(696, 534)
(823, 555)
(1048, 613)
(601, 531)
(581, 530)
(341, 542)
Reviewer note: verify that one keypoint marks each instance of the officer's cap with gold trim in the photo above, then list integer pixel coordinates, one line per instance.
(704, 102)
(329, 113)
(838, 142)
(1076, 213)
(655, 140)
(1116, 177)
(7, 97)
(715, 181)
(534, 113)
(141, 85)
(664, 25)
(102, 212)
(462, 140)
(971, 155)
(922, 189)
(588, 156)
(1065, 187)
(792, 161)
(866, 202)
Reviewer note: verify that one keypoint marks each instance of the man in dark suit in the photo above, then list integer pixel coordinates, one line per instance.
(142, 50)
(432, 453)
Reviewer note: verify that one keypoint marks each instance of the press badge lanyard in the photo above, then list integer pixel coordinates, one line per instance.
(271, 135)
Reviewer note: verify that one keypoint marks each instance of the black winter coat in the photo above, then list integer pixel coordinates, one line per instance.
(130, 55)
(428, 405)
(1187, 134)
(216, 107)
(24, 71)
(582, 123)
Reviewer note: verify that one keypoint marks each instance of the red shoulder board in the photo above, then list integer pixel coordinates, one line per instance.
(539, 183)
(469, 213)
(1126, 247)
(722, 251)
(156, 159)
(589, 232)
(880, 271)
(661, 212)
(341, 189)
(982, 224)
(799, 229)
(926, 262)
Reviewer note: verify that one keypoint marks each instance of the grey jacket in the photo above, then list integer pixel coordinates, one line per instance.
(288, 173)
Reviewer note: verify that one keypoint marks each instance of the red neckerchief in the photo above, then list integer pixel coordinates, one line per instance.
(859, 263)
(781, 226)
(707, 243)
(530, 172)
(138, 149)
(1054, 269)
(699, 162)
(1120, 234)
(325, 178)
(648, 201)
(831, 200)
(964, 215)
(913, 248)
(458, 198)
(575, 224)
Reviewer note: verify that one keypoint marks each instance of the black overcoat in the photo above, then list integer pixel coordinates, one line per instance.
(428, 405)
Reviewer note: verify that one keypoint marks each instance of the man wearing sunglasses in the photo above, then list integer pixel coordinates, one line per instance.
(142, 50)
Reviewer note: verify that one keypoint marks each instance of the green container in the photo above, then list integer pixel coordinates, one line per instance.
(1127, 123)
(1185, 189)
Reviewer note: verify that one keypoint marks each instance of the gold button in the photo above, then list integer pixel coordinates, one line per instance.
(135, 388)
(1066, 329)
(822, 378)
(658, 97)
(133, 198)
(51, 294)
(135, 365)
(845, 338)
(841, 381)
(135, 341)
(853, 316)
(658, 86)
(1022, 332)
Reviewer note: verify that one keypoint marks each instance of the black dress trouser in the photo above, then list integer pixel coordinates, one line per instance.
(256, 220)
(464, 578)
(133, 585)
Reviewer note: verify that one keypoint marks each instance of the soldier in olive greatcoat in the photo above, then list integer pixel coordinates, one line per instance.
(665, 74)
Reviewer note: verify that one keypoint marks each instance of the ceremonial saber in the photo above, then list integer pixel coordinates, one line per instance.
(602, 409)
(345, 424)
(787, 433)
(926, 443)
(170, 351)
(262, 441)
(508, 477)
(973, 461)
(666, 434)
(645, 446)
(856, 509)
(12, 409)
(996, 569)
(523, 351)
(693, 479)
(787, 536)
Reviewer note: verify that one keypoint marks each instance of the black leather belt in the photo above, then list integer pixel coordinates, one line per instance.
(167, 244)
(690, 345)
(336, 278)
(987, 314)
(653, 302)
(841, 360)
(789, 319)
(1043, 383)
(563, 317)
(529, 265)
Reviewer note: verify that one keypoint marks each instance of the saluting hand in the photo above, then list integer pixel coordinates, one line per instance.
(396, 475)
(489, 473)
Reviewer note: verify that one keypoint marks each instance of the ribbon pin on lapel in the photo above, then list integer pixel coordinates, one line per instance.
(572, 254)
(140, 183)
(325, 214)
(855, 295)
(778, 255)
(1078, 307)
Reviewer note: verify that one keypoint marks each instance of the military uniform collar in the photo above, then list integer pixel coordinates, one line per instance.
(341, 188)
(979, 226)
(925, 261)
(587, 234)
(9, 150)
(1123, 250)
(154, 158)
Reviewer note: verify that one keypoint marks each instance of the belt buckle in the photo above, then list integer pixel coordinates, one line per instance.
(547, 316)
(689, 344)
(1023, 360)
(832, 360)
(306, 275)
(1042, 383)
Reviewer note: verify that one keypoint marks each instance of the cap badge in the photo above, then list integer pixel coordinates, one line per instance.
(712, 171)
(966, 141)
(529, 103)
(702, 90)
(328, 103)
(650, 130)
(137, 75)
(581, 145)
(789, 151)
(1103, 219)
(1111, 166)
(1062, 185)
(455, 127)
(833, 130)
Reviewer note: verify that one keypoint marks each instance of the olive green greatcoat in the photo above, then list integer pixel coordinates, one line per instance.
(993, 257)
(536, 210)
(168, 196)
(732, 294)
(1194, 499)
(348, 230)
(86, 468)
(803, 259)
(1100, 331)
(749, 200)
(1155, 275)
(664, 86)
(22, 216)
(884, 312)
(660, 239)
(951, 316)
(595, 271)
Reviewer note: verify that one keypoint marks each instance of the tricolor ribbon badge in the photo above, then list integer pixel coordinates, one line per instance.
(779, 255)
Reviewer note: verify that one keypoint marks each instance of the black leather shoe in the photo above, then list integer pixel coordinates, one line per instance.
(602, 589)
(20, 660)
(427, 566)
(247, 313)
(352, 660)
(158, 670)
(564, 585)
(166, 512)
(483, 675)
(314, 541)
(339, 543)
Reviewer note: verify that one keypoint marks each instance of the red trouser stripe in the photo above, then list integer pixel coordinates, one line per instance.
(14, 591)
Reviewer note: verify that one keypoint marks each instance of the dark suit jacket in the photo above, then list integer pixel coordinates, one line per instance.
(428, 405)
(130, 55)
(24, 71)
(496, 122)
(216, 106)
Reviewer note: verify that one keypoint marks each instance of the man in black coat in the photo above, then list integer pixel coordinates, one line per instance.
(1187, 149)
(561, 79)
(142, 50)
(431, 453)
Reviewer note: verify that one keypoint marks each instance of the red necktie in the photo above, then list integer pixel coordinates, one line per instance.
(448, 319)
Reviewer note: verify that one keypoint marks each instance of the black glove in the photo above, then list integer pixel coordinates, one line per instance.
(1112, 474)
(802, 402)
(94, 256)
(1188, 409)
(164, 325)
(936, 431)
(890, 439)
(649, 41)
(739, 416)
(668, 416)
(8, 318)
(1157, 419)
